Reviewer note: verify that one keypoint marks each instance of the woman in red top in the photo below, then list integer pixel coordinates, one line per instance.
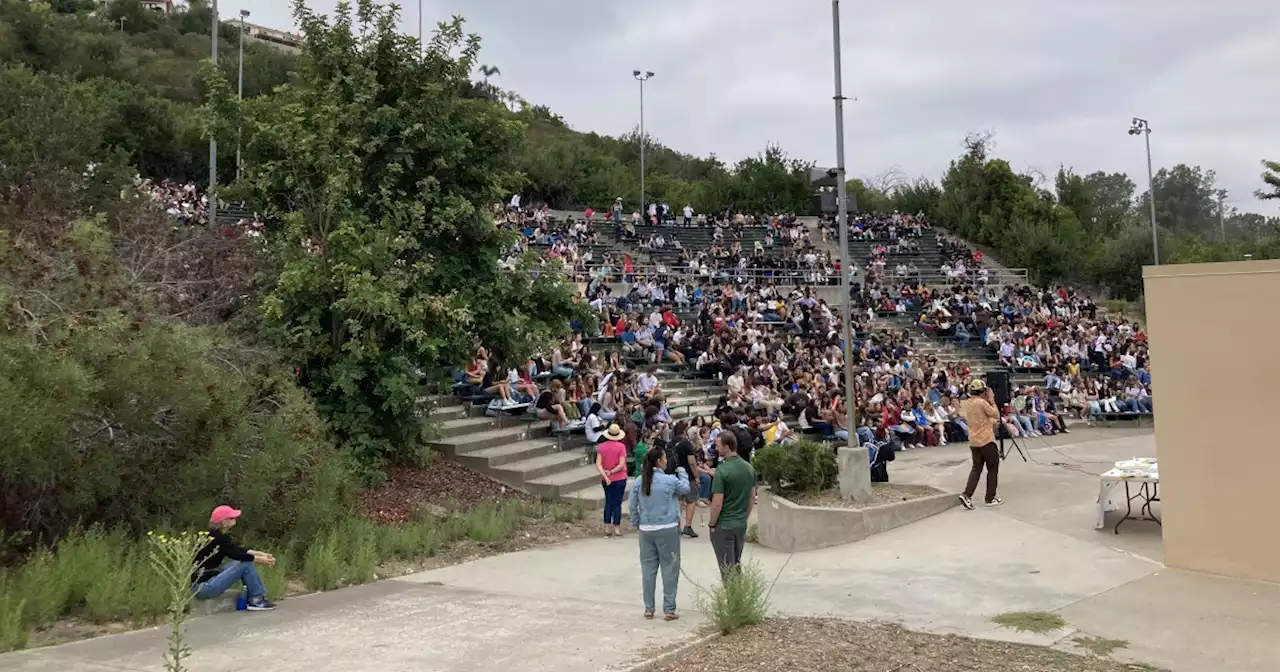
(611, 462)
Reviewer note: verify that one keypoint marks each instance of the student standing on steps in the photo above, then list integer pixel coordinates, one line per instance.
(980, 411)
(733, 495)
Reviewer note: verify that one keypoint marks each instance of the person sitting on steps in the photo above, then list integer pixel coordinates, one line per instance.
(212, 577)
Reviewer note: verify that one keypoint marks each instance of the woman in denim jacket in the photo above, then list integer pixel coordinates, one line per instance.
(654, 507)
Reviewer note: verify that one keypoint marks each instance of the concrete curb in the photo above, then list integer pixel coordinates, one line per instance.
(789, 527)
(667, 656)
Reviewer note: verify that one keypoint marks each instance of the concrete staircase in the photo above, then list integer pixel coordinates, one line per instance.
(524, 455)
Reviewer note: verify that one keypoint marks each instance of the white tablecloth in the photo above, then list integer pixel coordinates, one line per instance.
(1111, 492)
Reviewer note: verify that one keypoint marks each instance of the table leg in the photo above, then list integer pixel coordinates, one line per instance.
(1128, 508)
(1150, 494)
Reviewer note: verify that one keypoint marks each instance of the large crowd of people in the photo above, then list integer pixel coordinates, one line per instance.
(188, 204)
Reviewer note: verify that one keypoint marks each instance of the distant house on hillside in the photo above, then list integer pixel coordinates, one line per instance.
(165, 6)
(277, 37)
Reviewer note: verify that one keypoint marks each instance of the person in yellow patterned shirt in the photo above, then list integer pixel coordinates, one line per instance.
(981, 414)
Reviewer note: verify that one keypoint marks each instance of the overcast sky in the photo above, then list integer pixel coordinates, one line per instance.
(1056, 81)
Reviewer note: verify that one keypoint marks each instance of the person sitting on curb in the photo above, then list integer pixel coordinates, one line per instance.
(212, 578)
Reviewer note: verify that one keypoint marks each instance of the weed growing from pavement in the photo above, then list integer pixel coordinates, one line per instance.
(1100, 646)
(1038, 622)
(739, 600)
(172, 559)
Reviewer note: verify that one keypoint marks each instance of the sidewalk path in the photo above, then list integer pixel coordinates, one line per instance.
(575, 607)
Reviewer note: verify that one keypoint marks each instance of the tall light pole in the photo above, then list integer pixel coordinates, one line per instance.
(213, 142)
(419, 27)
(842, 220)
(244, 14)
(642, 77)
(1141, 127)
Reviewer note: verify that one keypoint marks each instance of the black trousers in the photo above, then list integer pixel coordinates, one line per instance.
(987, 455)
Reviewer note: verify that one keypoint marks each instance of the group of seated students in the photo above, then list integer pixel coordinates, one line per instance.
(570, 387)
(894, 228)
(1096, 364)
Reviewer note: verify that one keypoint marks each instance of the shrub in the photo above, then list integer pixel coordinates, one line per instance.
(771, 465)
(13, 629)
(322, 566)
(741, 599)
(128, 413)
(806, 466)
(108, 599)
(276, 578)
(360, 539)
(490, 522)
(46, 591)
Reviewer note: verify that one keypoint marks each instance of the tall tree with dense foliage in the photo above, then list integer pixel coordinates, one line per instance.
(378, 177)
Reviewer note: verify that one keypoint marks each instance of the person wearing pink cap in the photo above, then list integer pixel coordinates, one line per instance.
(222, 562)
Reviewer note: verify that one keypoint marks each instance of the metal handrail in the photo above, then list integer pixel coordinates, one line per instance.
(994, 276)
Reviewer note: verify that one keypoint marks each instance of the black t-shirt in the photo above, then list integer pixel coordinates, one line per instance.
(745, 442)
(220, 547)
(678, 454)
(544, 400)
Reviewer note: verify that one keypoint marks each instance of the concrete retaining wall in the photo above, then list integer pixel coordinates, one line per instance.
(789, 527)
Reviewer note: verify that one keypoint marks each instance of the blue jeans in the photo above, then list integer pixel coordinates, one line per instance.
(660, 549)
(704, 486)
(243, 572)
(1025, 423)
(613, 501)
(866, 435)
(562, 371)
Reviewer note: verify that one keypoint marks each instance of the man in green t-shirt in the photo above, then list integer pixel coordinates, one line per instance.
(733, 495)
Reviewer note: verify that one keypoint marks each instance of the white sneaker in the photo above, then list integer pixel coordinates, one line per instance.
(966, 502)
(995, 502)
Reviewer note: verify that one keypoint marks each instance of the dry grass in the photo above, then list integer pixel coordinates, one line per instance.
(828, 645)
(881, 494)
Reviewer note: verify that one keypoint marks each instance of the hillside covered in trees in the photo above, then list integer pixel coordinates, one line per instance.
(1081, 226)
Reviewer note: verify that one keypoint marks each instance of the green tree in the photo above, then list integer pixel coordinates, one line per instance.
(1271, 178)
(867, 199)
(1186, 200)
(379, 173)
(920, 195)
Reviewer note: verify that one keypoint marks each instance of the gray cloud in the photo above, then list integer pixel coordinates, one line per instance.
(1057, 82)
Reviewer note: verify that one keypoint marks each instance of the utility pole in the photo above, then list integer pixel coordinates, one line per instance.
(642, 78)
(1142, 127)
(244, 13)
(213, 142)
(1222, 215)
(842, 220)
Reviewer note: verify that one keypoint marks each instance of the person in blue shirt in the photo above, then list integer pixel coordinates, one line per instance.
(654, 509)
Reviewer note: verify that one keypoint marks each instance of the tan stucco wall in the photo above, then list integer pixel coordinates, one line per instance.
(1214, 332)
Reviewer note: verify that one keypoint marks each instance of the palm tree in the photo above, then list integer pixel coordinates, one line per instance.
(1271, 176)
(488, 71)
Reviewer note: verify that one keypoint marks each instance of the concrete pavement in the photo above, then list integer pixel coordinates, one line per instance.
(576, 606)
(388, 626)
